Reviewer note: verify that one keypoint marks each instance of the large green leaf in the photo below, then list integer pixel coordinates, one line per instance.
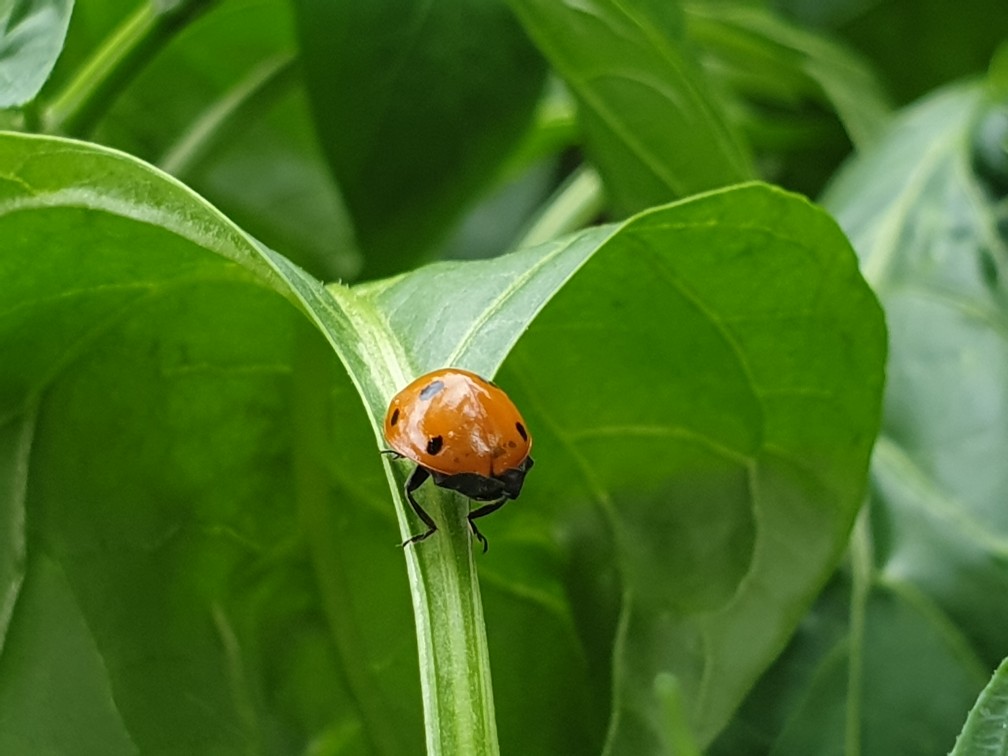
(31, 39)
(686, 435)
(651, 123)
(148, 399)
(701, 439)
(192, 492)
(417, 105)
(917, 631)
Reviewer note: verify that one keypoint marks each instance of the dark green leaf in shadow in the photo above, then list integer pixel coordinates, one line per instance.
(966, 38)
(416, 111)
(986, 730)
(31, 39)
(651, 123)
(768, 60)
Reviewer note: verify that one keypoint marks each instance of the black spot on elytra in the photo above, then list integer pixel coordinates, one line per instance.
(434, 444)
(521, 431)
(431, 389)
(395, 417)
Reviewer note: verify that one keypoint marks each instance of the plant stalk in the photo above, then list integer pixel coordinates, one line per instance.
(451, 636)
(572, 206)
(454, 659)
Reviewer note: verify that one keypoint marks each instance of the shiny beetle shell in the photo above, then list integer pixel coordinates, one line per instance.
(452, 421)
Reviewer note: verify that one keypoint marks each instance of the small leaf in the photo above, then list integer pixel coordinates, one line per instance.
(31, 39)
(986, 730)
(651, 123)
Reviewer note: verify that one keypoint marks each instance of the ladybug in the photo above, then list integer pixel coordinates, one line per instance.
(464, 433)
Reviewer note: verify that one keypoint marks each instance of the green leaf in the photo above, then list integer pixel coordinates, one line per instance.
(418, 105)
(222, 106)
(31, 39)
(149, 403)
(651, 123)
(673, 419)
(193, 487)
(622, 487)
(770, 60)
(918, 632)
(986, 730)
(930, 244)
(693, 430)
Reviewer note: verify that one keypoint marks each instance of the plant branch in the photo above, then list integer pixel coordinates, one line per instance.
(454, 659)
(572, 207)
(451, 637)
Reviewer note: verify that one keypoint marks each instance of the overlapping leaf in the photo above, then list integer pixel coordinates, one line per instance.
(986, 729)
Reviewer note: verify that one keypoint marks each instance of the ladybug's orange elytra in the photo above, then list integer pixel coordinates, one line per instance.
(466, 434)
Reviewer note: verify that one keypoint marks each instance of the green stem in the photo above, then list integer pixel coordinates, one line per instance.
(77, 108)
(451, 637)
(862, 570)
(573, 206)
(454, 659)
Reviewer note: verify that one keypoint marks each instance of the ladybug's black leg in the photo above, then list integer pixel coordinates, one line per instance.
(392, 453)
(483, 512)
(415, 480)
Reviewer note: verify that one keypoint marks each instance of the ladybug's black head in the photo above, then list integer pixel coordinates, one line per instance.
(514, 479)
